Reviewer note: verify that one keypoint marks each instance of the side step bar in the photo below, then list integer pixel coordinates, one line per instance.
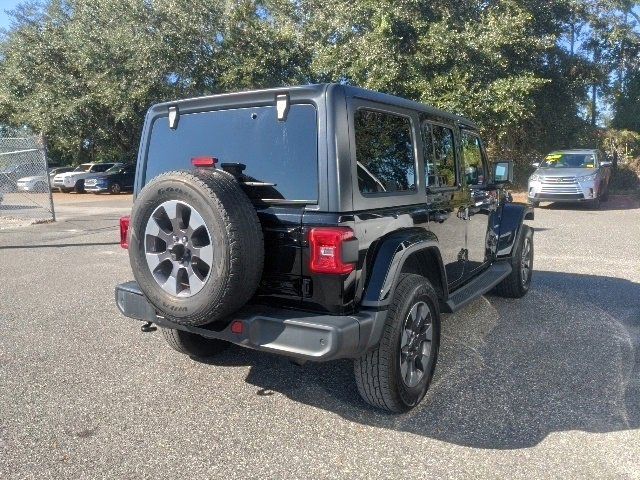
(478, 286)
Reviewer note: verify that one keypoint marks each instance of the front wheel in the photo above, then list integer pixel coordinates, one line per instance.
(396, 374)
(193, 345)
(517, 284)
(79, 186)
(595, 204)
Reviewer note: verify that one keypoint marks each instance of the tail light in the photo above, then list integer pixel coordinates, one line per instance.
(327, 249)
(124, 231)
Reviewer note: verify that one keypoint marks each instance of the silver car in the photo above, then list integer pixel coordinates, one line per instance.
(570, 176)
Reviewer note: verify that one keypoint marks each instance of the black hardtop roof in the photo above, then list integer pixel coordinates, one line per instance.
(404, 103)
(315, 90)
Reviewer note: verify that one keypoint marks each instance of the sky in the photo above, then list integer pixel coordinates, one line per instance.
(6, 5)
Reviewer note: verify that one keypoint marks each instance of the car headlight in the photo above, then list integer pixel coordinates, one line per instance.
(534, 178)
(588, 178)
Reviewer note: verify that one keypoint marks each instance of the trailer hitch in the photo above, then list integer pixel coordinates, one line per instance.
(148, 327)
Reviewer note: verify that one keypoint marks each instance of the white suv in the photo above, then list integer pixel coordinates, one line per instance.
(74, 180)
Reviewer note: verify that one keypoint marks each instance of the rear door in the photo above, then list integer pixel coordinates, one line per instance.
(481, 203)
(128, 176)
(445, 198)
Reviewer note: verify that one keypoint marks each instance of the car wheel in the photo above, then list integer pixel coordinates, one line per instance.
(40, 187)
(595, 204)
(115, 188)
(535, 204)
(517, 284)
(192, 344)
(79, 187)
(396, 374)
(196, 247)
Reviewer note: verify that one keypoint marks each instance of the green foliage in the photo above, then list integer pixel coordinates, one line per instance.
(83, 72)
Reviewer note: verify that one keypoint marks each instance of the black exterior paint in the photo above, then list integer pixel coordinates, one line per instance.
(391, 229)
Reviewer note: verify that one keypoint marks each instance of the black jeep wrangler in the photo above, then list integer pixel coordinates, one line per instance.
(319, 222)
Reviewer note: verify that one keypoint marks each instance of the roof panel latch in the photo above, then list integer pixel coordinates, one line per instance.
(282, 106)
(174, 117)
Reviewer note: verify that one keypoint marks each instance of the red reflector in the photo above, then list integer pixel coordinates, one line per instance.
(124, 231)
(326, 250)
(204, 161)
(237, 327)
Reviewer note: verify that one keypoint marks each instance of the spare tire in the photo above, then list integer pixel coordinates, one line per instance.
(196, 246)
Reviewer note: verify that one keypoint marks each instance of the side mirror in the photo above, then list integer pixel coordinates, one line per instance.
(503, 172)
(535, 164)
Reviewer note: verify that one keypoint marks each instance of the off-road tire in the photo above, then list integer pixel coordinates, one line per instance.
(515, 286)
(236, 237)
(377, 372)
(193, 345)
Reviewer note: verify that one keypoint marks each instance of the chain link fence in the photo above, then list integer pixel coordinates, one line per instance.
(25, 189)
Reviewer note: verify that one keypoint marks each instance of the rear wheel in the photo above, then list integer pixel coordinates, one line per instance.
(396, 374)
(192, 344)
(115, 188)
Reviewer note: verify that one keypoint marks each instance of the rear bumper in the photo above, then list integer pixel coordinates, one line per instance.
(293, 333)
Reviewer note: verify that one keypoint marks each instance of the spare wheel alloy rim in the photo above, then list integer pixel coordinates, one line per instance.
(178, 248)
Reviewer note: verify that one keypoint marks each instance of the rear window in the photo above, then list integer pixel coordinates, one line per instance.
(276, 152)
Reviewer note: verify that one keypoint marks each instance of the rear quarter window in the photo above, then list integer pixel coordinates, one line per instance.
(284, 153)
(384, 152)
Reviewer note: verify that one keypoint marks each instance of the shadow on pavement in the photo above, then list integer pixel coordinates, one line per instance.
(57, 245)
(511, 372)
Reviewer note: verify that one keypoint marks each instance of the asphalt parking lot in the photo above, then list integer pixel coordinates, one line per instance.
(543, 387)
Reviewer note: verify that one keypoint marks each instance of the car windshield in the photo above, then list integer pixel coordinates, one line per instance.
(569, 160)
(115, 169)
(83, 168)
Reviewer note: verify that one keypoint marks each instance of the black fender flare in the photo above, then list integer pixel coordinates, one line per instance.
(390, 256)
(512, 218)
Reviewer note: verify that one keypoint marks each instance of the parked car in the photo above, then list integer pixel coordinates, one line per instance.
(74, 180)
(38, 183)
(34, 184)
(319, 222)
(10, 174)
(571, 176)
(57, 170)
(118, 178)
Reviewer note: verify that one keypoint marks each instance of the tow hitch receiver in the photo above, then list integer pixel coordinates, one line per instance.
(148, 327)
